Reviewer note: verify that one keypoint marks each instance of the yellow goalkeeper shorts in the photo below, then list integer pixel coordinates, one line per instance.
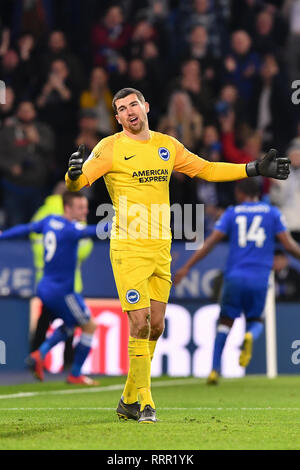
(141, 276)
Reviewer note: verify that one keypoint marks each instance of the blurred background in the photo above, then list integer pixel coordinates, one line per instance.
(218, 75)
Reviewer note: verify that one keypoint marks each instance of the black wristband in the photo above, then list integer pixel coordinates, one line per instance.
(252, 168)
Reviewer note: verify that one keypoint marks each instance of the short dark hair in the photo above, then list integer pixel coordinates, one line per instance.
(125, 92)
(249, 187)
(69, 196)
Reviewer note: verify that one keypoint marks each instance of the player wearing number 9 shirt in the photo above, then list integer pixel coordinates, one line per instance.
(61, 235)
(251, 227)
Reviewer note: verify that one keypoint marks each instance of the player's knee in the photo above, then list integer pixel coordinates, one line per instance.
(140, 324)
(226, 321)
(142, 330)
(140, 327)
(89, 327)
(156, 331)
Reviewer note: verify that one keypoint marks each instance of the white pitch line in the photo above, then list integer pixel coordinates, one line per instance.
(109, 388)
(160, 409)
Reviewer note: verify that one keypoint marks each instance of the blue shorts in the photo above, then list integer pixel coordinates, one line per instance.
(71, 308)
(246, 296)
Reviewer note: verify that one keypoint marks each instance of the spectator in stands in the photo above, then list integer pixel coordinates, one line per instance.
(89, 134)
(35, 16)
(213, 17)
(29, 66)
(243, 15)
(138, 79)
(26, 151)
(292, 9)
(264, 41)
(143, 32)
(156, 69)
(242, 64)
(58, 50)
(270, 102)
(251, 149)
(229, 100)
(99, 97)
(251, 145)
(198, 48)
(9, 70)
(287, 196)
(110, 37)
(58, 105)
(4, 39)
(7, 109)
(190, 80)
(182, 116)
(287, 279)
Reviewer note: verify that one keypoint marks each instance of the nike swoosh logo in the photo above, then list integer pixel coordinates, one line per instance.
(128, 158)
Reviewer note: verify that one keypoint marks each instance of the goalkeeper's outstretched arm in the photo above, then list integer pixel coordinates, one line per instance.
(271, 166)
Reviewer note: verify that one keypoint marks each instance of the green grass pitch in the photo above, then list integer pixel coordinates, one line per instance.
(249, 413)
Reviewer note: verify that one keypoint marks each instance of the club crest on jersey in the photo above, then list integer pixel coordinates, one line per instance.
(132, 296)
(164, 153)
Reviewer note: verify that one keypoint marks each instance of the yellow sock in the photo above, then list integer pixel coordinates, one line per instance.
(140, 365)
(130, 394)
(152, 346)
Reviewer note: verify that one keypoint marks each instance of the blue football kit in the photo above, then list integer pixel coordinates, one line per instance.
(56, 288)
(251, 228)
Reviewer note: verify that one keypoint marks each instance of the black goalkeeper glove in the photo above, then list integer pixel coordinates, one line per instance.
(271, 165)
(76, 162)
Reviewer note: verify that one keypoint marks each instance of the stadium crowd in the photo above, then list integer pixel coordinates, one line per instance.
(218, 75)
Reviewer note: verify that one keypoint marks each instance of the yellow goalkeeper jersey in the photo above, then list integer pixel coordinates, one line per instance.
(137, 175)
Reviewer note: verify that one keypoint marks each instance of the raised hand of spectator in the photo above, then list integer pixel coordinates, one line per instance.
(5, 42)
(57, 83)
(26, 45)
(230, 64)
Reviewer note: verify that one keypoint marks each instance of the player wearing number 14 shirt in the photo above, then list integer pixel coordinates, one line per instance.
(61, 235)
(252, 227)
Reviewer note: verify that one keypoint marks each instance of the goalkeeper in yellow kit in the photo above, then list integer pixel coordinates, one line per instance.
(137, 164)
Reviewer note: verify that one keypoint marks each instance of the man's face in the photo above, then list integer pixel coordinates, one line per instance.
(26, 112)
(241, 42)
(132, 113)
(57, 42)
(79, 209)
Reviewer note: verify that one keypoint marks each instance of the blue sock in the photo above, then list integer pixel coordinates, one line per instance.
(256, 328)
(81, 352)
(222, 333)
(60, 334)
